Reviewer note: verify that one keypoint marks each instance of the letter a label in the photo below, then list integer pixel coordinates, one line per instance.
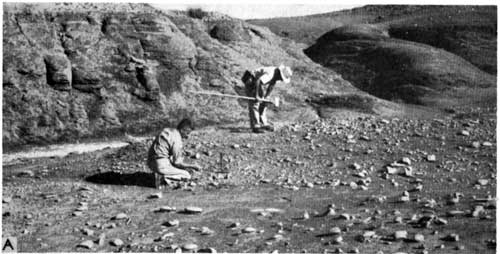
(9, 245)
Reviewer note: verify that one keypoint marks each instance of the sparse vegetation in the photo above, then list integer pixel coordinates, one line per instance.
(196, 13)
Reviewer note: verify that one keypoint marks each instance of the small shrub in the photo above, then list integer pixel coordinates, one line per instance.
(196, 13)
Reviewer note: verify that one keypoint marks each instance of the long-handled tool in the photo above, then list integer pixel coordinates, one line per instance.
(275, 101)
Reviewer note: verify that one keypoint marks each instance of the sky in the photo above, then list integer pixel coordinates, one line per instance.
(250, 10)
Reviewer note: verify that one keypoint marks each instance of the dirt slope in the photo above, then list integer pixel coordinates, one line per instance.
(78, 70)
(400, 70)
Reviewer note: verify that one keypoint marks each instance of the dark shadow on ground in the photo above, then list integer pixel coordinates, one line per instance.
(142, 179)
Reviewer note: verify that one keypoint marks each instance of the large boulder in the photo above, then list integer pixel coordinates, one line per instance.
(59, 74)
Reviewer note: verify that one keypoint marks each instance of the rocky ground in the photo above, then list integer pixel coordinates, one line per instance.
(357, 183)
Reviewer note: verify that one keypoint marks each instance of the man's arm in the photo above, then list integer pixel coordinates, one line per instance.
(178, 161)
(183, 165)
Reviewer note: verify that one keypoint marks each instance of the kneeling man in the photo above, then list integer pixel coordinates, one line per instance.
(165, 155)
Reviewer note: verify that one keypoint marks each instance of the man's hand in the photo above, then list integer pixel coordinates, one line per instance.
(195, 167)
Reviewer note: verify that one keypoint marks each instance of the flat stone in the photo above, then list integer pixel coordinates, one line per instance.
(120, 216)
(248, 230)
(337, 240)
(172, 223)
(77, 213)
(82, 208)
(305, 216)
(391, 170)
(453, 213)
(477, 211)
(356, 166)
(234, 225)
(277, 237)
(483, 181)
(419, 238)
(193, 209)
(431, 158)
(189, 246)
(116, 242)
(155, 195)
(464, 133)
(335, 230)
(368, 234)
(400, 235)
(345, 216)
(206, 231)
(6, 200)
(404, 199)
(88, 232)
(486, 143)
(166, 209)
(88, 244)
(406, 160)
(355, 250)
(236, 146)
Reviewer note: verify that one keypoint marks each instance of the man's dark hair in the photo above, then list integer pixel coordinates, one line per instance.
(186, 123)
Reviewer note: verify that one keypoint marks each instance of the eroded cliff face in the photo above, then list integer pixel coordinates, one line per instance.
(84, 70)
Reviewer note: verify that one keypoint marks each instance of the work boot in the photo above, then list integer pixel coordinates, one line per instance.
(268, 128)
(257, 130)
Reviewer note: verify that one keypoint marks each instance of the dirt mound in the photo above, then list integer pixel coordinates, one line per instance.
(398, 70)
(78, 70)
(467, 31)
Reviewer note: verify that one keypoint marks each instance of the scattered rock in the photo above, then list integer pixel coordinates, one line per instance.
(451, 238)
(400, 235)
(116, 242)
(192, 210)
(120, 216)
(166, 209)
(207, 250)
(337, 240)
(190, 247)
(464, 133)
(356, 166)
(454, 213)
(486, 143)
(155, 195)
(419, 238)
(171, 223)
(475, 144)
(102, 238)
(6, 200)
(249, 230)
(406, 160)
(477, 211)
(27, 173)
(335, 230)
(206, 231)
(431, 158)
(88, 232)
(88, 244)
(482, 182)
